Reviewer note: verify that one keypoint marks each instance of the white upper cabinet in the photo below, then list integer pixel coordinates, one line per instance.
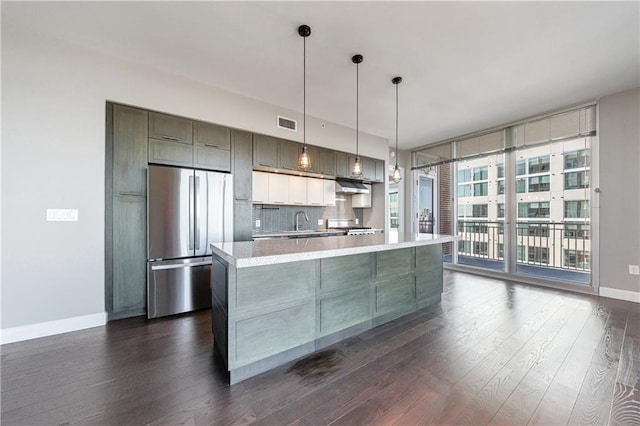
(297, 190)
(260, 187)
(276, 188)
(329, 192)
(315, 192)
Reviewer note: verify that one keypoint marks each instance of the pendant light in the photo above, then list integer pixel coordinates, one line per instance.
(397, 176)
(304, 159)
(357, 169)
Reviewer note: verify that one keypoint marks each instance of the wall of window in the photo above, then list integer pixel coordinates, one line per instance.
(536, 176)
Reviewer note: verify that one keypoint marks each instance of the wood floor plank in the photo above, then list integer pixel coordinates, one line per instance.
(594, 402)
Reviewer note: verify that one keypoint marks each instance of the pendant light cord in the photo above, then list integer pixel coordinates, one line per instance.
(304, 91)
(396, 126)
(357, 106)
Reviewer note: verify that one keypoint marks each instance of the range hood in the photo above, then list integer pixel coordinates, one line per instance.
(348, 187)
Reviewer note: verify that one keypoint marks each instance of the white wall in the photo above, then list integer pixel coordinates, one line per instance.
(53, 140)
(620, 192)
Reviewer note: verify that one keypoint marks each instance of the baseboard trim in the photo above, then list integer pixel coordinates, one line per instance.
(614, 293)
(49, 328)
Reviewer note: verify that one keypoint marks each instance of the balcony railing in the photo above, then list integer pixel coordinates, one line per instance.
(562, 246)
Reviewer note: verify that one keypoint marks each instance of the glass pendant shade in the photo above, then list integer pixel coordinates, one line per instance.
(397, 176)
(357, 169)
(304, 160)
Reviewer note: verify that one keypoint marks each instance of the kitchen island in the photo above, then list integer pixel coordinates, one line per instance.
(276, 300)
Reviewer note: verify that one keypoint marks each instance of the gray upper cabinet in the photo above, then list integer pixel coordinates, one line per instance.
(178, 141)
(211, 135)
(129, 150)
(170, 128)
(212, 147)
(342, 164)
(380, 170)
(265, 151)
(170, 140)
(242, 173)
(289, 155)
(171, 153)
(369, 169)
(327, 160)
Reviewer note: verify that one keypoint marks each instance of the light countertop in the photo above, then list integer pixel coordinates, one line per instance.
(272, 251)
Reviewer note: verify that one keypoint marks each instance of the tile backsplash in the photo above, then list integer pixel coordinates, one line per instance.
(282, 218)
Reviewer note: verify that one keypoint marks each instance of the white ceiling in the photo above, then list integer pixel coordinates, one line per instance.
(466, 66)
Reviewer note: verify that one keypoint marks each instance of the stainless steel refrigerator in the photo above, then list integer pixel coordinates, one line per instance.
(187, 211)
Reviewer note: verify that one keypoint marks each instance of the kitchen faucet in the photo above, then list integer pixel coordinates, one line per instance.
(297, 217)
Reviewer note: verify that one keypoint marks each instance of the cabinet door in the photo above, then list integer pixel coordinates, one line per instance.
(129, 261)
(329, 192)
(242, 216)
(212, 147)
(369, 169)
(327, 162)
(242, 151)
(315, 192)
(265, 151)
(211, 135)
(278, 189)
(342, 166)
(129, 150)
(260, 186)
(289, 155)
(209, 158)
(380, 170)
(170, 152)
(297, 190)
(170, 128)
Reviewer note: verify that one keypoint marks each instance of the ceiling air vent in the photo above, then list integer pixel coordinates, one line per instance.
(287, 123)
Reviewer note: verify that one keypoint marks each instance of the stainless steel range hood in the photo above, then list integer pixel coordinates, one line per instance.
(348, 187)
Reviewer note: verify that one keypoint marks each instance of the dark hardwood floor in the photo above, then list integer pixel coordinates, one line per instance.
(492, 352)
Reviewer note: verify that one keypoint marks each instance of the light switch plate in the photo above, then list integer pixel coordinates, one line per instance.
(357, 221)
(257, 223)
(634, 269)
(62, 215)
(319, 222)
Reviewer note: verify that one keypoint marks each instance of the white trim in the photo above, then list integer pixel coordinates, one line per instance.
(614, 293)
(48, 328)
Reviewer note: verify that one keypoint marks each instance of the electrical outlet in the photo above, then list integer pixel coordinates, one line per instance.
(319, 222)
(357, 221)
(634, 269)
(62, 215)
(257, 223)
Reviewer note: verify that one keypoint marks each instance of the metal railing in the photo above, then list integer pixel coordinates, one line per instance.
(557, 245)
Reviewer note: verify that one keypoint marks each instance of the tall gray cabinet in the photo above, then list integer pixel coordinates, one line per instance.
(242, 143)
(125, 215)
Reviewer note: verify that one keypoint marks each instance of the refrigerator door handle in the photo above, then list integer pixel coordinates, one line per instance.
(197, 208)
(191, 213)
(180, 265)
